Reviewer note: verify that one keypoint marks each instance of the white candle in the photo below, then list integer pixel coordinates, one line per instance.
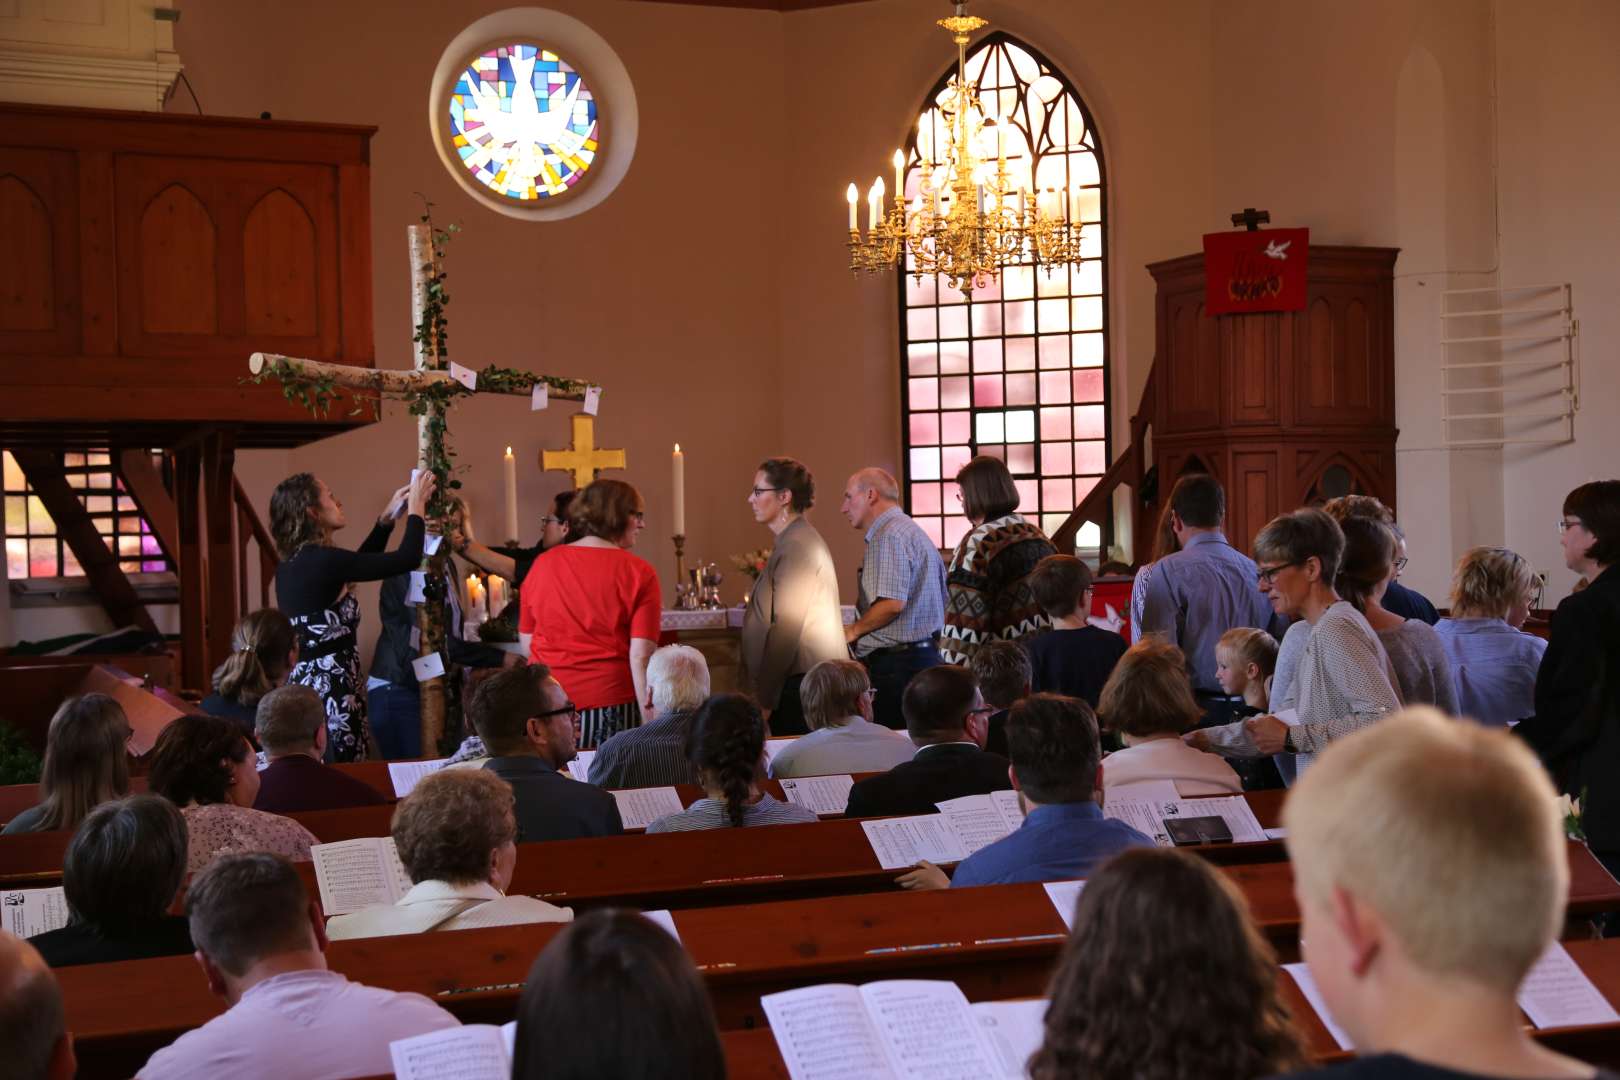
(678, 464)
(497, 595)
(899, 175)
(854, 197)
(510, 464)
(472, 595)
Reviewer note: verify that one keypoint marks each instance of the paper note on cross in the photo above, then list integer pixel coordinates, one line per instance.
(583, 458)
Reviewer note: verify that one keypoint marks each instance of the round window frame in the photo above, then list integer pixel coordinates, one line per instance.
(584, 50)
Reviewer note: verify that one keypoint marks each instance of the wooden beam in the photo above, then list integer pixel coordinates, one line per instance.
(219, 508)
(145, 485)
(78, 530)
(194, 673)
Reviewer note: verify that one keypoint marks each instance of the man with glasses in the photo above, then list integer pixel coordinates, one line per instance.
(901, 605)
(529, 727)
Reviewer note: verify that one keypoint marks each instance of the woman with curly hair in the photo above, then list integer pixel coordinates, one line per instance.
(1165, 978)
(86, 764)
(206, 767)
(314, 589)
(726, 745)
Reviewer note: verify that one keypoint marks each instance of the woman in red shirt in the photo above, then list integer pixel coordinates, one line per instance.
(593, 611)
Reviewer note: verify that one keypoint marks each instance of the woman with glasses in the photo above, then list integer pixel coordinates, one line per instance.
(1493, 661)
(1343, 680)
(511, 562)
(837, 697)
(86, 764)
(457, 838)
(989, 596)
(593, 612)
(793, 621)
(1576, 729)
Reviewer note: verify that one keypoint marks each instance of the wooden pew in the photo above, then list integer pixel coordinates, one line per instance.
(996, 943)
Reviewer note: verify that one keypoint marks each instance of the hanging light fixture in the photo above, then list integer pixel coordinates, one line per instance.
(971, 216)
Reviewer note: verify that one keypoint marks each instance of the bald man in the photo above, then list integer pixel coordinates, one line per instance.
(34, 1042)
(901, 605)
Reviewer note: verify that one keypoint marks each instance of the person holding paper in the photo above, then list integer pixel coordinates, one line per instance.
(1165, 975)
(313, 589)
(614, 995)
(793, 621)
(120, 875)
(654, 754)
(528, 726)
(1148, 701)
(291, 726)
(1057, 773)
(86, 764)
(457, 839)
(946, 718)
(262, 949)
(393, 695)
(843, 738)
(594, 613)
(514, 563)
(264, 650)
(34, 1041)
(1431, 872)
(727, 747)
(206, 767)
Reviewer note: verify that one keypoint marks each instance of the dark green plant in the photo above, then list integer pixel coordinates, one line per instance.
(18, 762)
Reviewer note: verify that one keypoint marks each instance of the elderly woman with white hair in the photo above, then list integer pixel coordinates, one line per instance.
(843, 738)
(654, 754)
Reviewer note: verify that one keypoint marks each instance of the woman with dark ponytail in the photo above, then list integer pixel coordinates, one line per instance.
(726, 745)
(264, 649)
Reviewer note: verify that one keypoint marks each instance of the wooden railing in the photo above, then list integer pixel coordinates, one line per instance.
(249, 527)
(1129, 469)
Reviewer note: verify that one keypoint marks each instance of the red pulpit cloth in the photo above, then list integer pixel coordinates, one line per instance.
(1255, 271)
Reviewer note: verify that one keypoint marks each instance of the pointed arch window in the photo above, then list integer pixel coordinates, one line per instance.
(1019, 370)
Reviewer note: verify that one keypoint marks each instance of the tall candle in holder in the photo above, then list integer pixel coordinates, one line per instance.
(510, 464)
(678, 464)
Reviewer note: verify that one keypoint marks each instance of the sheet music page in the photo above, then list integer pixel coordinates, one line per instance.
(1015, 1030)
(580, 767)
(1011, 808)
(1064, 895)
(405, 775)
(928, 1030)
(1143, 791)
(1307, 986)
(34, 911)
(640, 807)
(1234, 810)
(819, 794)
(975, 819)
(1557, 993)
(900, 843)
(353, 874)
(1143, 815)
(824, 1033)
(472, 1052)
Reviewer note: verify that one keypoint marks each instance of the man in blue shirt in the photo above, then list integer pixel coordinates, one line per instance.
(1205, 589)
(1057, 772)
(901, 604)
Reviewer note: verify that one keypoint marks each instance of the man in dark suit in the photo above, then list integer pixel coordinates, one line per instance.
(290, 724)
(529, 726)
(947, 720)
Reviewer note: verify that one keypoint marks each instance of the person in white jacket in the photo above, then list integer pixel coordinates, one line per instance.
(1149, 702)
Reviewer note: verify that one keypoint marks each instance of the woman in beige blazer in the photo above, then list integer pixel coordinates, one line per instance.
(456, 837)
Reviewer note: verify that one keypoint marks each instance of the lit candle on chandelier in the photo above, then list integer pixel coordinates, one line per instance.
(854, 197)
(899, 177)
(874, 209)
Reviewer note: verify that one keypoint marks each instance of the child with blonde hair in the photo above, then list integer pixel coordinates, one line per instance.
(1245, 660)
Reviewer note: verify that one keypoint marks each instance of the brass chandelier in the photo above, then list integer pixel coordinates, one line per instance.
(970, 217)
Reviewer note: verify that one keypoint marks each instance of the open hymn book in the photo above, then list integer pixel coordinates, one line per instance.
(353, 874)
(469, 1052)
(1146, 806)
(961, 827)
(901, 1029)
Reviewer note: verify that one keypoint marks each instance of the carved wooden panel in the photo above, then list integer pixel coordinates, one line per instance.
(1191, 391)
(1343, 374)
(271, 281)
(38, 273)
(1252, 497)
(1254, 345)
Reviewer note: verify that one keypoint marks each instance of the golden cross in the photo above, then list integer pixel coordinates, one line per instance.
(583, 459)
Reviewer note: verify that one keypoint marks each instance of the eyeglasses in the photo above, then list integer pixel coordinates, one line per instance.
(1400, 564)
(756, 492)
(569, 708)
(551, 519)
(1267, 575)
(1566, 524)
(983, 710)
(640, 516)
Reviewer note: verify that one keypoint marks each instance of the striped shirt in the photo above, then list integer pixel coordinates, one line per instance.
(653, 755)
(711, 814)
(902, 564)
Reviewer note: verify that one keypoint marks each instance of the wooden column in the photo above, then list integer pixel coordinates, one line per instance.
(194, 671)
(219, 508)
(78, 530)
